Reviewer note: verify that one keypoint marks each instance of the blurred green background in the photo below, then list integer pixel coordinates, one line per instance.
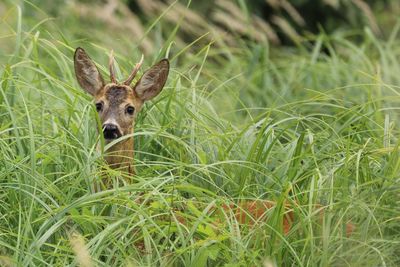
(278, 22)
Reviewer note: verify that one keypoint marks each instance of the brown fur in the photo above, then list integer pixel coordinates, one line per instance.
(116, 97)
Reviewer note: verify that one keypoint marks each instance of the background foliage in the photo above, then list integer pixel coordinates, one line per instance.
(294, 102)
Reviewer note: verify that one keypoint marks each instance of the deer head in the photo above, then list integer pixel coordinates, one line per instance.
(118, 103)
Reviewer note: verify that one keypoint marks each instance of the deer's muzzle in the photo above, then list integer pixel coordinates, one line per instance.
(111, 131)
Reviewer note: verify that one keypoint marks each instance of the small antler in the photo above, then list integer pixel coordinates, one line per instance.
(111, 66)
(134, 71)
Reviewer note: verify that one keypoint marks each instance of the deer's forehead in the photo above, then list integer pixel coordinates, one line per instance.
(115, 94)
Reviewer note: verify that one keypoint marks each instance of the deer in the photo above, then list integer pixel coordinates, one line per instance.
(118, 103)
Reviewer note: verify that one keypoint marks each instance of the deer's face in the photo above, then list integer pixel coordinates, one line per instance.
(117, 106)
(118, 103)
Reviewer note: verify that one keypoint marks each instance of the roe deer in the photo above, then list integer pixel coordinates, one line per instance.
(118, 103)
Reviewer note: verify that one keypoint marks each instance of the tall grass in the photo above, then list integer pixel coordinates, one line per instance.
(314, 127)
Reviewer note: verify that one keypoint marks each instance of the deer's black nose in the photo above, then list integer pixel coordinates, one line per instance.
(111, 131)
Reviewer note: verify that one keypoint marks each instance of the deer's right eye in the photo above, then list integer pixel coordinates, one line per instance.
(99, 106)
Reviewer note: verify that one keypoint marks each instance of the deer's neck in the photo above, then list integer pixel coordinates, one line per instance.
(120, 155)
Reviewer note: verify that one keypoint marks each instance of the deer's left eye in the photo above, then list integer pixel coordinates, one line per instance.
(130, 110)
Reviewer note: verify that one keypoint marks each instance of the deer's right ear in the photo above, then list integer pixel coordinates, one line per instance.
(87, 74)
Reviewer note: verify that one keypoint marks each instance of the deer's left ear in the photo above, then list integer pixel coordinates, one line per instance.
(152, 81)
